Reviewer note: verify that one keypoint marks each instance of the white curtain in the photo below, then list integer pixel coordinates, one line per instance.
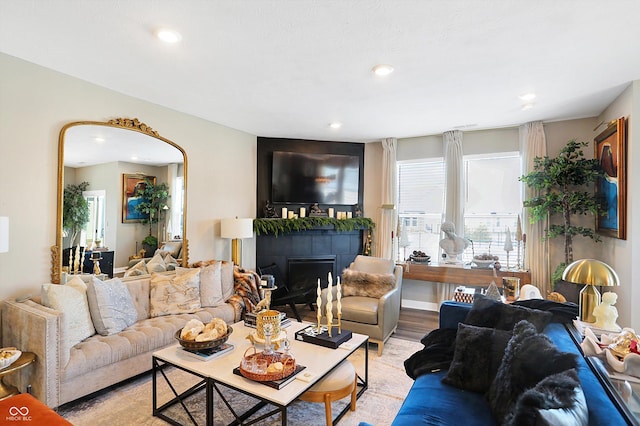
(454, 193)
(387, 221)
(533, 144)
(173, 223)
(454, 179)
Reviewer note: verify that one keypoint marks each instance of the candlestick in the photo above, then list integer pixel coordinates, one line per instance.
(329, 305)
(76, 260)
(339, 305)
(84, 253)
(519, 230)
(70, 268)
(319, 303)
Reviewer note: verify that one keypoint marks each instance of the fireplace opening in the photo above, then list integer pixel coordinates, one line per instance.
(303, 274)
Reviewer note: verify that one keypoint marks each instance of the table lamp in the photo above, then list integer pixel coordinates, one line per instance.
(236, 229)
(591, 273)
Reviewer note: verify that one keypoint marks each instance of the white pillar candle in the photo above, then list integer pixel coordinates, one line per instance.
(339, 298)
(319, 303)
(349, 215)
(290, 215)
(303, 212)
(330, 211)
(284, 213)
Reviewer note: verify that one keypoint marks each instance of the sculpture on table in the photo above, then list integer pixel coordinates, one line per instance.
(269, 210)
(606, 314)
(453, 245)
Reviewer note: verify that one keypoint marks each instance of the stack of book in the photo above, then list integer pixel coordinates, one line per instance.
(209, 354)
(251, 320)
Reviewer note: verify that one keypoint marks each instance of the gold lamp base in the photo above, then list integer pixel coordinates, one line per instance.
(589, 299)
(236, 251)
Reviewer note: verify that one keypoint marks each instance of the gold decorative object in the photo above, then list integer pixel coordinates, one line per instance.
(591, 273)
(268, 317)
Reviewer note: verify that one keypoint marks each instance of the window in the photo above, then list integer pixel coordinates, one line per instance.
(493, 203)
(420, 206)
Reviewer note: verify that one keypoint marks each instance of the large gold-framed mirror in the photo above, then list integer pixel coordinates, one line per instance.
(114, 157)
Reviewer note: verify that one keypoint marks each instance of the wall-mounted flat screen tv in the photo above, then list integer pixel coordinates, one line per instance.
(314, 178)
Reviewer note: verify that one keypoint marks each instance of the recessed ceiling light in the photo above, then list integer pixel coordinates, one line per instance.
(168, 35)
(335, 125)
(527, 106)
(134, 158)
(527, 96)
(382, 69)
(99, 139)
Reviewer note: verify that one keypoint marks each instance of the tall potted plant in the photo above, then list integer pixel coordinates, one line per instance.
(155, 197)
(75, 211)
(565, 185)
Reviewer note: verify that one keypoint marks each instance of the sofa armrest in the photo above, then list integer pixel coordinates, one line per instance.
(32, 327)
(452, 313)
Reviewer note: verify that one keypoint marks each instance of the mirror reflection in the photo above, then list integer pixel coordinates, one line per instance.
(120, 185)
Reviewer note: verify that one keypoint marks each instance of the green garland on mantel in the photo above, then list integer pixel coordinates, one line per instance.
(281, 226)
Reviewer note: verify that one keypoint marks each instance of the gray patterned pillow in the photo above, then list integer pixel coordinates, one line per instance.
(112, 309)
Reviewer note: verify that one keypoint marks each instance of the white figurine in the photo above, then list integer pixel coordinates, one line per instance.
(606, 314)
(452, 244)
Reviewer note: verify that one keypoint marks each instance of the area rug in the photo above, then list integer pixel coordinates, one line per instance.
(131, 403)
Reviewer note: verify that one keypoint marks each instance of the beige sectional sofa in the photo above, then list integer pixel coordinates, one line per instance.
(65, 370)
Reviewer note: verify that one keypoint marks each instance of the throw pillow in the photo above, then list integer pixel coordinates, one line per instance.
(139, 268)
(555, 400)
(477, 357)
(156, 264)
(111, 306)
(210, 284)
(228, 279)
(529, 358)
(172, 247)
(174, 294)
(71, 300)
(170, 263)
(356, 283)
(490, 313)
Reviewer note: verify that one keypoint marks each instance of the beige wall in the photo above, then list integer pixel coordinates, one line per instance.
(34, 105)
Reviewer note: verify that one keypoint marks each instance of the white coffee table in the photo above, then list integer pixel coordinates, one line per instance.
(218, 373)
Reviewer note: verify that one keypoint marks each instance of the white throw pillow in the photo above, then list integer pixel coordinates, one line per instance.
(170, 262)
(139, 268)
(210, 283)
(111, 306)
(71, 300)
(156, 264)
(174, 294)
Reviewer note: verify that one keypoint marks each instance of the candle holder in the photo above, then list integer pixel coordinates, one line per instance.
(329, 325)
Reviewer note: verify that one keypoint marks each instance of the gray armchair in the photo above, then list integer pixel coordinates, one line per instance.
(377, 318)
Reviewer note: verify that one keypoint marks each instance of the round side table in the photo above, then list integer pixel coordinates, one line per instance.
(25, 359)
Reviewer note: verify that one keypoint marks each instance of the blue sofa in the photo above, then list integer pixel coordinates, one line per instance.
(431, 402)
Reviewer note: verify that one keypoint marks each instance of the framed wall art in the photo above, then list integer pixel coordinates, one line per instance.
(130, 183)
(611, 152)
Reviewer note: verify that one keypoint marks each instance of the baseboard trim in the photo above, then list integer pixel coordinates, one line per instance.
(417, 304)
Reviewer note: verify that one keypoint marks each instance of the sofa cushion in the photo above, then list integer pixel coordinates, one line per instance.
(358, 309)
(555, 400)
(156, 264)
(490, 313)
(529, 358)
(210, 283)
(139, 291)
(71, 300)
(373, 265)
(111, 306)
(139, 268)
(357, 283)
(478, 354)
(174, 294)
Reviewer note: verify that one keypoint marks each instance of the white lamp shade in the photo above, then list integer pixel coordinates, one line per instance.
(236, 228)
(4, 234)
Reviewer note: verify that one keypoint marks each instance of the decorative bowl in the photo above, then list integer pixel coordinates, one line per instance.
(249, 369)
(483, 263)
(8, 356)
(420, 259)
(192, 345)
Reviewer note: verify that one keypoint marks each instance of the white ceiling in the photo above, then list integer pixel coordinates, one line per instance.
(285, 68)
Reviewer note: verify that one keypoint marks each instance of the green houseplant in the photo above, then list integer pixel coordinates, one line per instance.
(75, 210)
(155, 197)
(565, 185)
